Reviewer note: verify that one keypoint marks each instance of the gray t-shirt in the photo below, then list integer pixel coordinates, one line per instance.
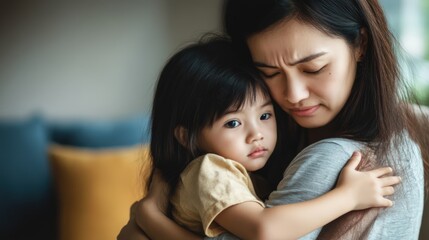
(315, 170)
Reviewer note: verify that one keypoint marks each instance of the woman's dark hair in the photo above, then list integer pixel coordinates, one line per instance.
(376, 111)
(196, 87)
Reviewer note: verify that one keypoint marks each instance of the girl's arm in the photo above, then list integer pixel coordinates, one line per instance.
(153, 216)
(314, 172)
(355, 190)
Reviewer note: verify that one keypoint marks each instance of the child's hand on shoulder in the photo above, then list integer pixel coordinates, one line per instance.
(367, 188)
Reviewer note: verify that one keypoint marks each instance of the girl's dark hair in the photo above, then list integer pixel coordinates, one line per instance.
(197, 86)
(375, 111)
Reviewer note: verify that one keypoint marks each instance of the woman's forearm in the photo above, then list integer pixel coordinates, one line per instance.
(158, 226)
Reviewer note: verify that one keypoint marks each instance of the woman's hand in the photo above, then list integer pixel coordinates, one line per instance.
(158, 191)
(367, 188)
(131, 231)
(150, 214)
(156, 201)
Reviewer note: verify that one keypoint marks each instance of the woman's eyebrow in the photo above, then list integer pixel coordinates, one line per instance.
(308, 58)
(259, 64)
(302, 60)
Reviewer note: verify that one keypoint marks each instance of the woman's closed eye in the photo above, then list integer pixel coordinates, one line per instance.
(269, 75)
(314, 71)
(232, 124)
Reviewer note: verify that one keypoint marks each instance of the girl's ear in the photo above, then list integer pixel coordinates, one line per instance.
(362, 43)
(181, 135)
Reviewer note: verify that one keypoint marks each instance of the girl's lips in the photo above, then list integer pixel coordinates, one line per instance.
(304, 111)
(258, 152)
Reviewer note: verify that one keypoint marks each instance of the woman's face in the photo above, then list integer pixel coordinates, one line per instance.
(309, 73)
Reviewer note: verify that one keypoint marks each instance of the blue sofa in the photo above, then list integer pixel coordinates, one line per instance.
(28, 206)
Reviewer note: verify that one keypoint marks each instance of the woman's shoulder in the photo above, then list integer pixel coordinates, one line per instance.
(313, 171)
(329, 155)
(338, 140)
(338, 149)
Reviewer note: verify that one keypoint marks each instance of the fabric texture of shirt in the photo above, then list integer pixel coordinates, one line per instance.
(207, 186)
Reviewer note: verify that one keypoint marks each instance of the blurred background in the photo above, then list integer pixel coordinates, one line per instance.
(409, 22)
(100, 59)
(91, 59)
(81, 74)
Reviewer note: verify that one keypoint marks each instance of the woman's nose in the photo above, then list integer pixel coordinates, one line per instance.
(295, 90)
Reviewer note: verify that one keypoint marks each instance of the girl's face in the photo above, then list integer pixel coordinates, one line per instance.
(247, 135)
(309, 73)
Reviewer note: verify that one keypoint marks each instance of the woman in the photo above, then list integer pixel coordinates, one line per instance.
(330, 65)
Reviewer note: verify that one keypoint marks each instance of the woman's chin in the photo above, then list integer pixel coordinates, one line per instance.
(311, 122)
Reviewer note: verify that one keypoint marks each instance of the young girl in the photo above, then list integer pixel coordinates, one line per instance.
(213, 123)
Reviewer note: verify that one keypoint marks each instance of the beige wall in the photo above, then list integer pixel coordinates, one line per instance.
(92, 59)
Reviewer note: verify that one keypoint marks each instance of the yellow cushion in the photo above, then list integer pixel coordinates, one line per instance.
(96, 189)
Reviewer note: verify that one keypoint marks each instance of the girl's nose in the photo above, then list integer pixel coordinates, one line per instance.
(254, 135)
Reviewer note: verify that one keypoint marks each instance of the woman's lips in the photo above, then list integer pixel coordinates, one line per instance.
(304, 111)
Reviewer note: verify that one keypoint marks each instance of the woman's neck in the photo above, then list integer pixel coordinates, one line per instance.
(317, 134)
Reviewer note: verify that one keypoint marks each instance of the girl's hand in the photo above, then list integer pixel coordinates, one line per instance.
(367, 188)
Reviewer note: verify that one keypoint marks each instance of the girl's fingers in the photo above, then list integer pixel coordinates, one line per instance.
(381, 171)
(389, 181)
(354, 160)
(386, 203)
(387, 191)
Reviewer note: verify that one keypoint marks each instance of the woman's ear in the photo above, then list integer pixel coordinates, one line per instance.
(361, 45)
(181, 135)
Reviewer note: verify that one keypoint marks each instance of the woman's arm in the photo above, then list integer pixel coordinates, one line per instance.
(355, 190)
(151, 213)
(131, 231)
(155, 222)
(157, 225)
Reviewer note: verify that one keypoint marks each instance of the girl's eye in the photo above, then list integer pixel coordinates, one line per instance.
(232, 124)
(265, 116)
